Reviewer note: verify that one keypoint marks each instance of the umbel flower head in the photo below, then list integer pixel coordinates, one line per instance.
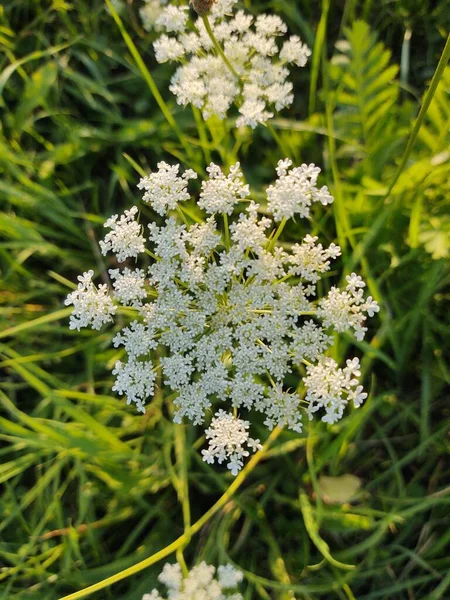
(256, 76)
(201, 583)
(224, 312)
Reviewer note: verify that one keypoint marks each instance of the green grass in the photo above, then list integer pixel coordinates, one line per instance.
(89, 487)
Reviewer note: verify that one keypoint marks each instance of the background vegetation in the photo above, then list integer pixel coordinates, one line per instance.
(89, 487)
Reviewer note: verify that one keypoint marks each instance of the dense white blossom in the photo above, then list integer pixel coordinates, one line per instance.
(129, 286)
(256, 80)
(150, 13)
(295, 191)
(91, 306)
(201, 583)
(227, 437)
(331, 388)
(223, 313)
(221, 192)
(164, 189)
(124, 239)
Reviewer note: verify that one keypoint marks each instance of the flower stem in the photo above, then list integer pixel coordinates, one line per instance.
(218, 47)
(280, 143)
(195, 528)
(149, 79)
(226, 230)
(278, 232)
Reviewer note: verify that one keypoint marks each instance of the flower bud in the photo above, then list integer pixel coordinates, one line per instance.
(202, 7)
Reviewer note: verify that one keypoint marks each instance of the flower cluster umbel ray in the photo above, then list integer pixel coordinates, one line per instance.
(225, 312)
(254, 76)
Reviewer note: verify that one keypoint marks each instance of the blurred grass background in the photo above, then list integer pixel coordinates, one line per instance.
(89, 487)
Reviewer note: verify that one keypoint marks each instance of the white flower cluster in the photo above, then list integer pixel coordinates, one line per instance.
(150, 13)
(257, 82)
(201, 583)
(91, 306)
(226, 436)
(230, 313)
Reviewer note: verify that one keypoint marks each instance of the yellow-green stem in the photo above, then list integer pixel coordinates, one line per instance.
(280, 143)
(226, 231)
(278, 232)
(218, 47)
(149, 79)
(195, 528)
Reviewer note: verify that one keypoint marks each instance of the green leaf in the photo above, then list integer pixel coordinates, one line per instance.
(339, 490)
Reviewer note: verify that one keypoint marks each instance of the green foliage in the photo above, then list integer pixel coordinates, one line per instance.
(366, 97)
(89, 488)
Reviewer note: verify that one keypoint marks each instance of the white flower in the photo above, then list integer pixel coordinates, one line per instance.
(136, 380)
(173, 18)
(124, 239)
(171, 576)
(295, 191)
(294, 51)
(257, 83)
(330, 388)
(221, 193)
(164, 189)
(227, 436)
(282, 409)
(229, 577)
(168, 48)
(199, 584)
(253, 111)
(344, 310)
(129, 286)
(226, 315)
(91, 306)
(309, 259)
(249, 232)
(150, 13)
(137, 339)
(309, 341)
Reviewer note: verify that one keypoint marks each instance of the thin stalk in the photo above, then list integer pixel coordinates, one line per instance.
(149, 79)
(201, 129)
(445, 56)
(278, 232)
(226, 230)
(181, 453)
(284, 149)
(364, 245)
(217, 46)
(195, 528)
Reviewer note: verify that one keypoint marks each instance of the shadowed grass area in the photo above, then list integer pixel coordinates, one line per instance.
(89, 487)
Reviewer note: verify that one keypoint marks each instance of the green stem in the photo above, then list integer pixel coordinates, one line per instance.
(284, 149)
(181, 541)
(364, 245)
(201, 129)
(226, 230)
(149, 79)
(445, 56)
(218, 47)
(278, 232)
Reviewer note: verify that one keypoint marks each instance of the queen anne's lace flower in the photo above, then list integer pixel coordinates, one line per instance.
(257, 82)
(200, 583)
(91, 306)
(124, 239)
(331, 388)
(295, 191)
(164, 189)
(227, 436)
(150, 13)
(221, 193)
(231, 315)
